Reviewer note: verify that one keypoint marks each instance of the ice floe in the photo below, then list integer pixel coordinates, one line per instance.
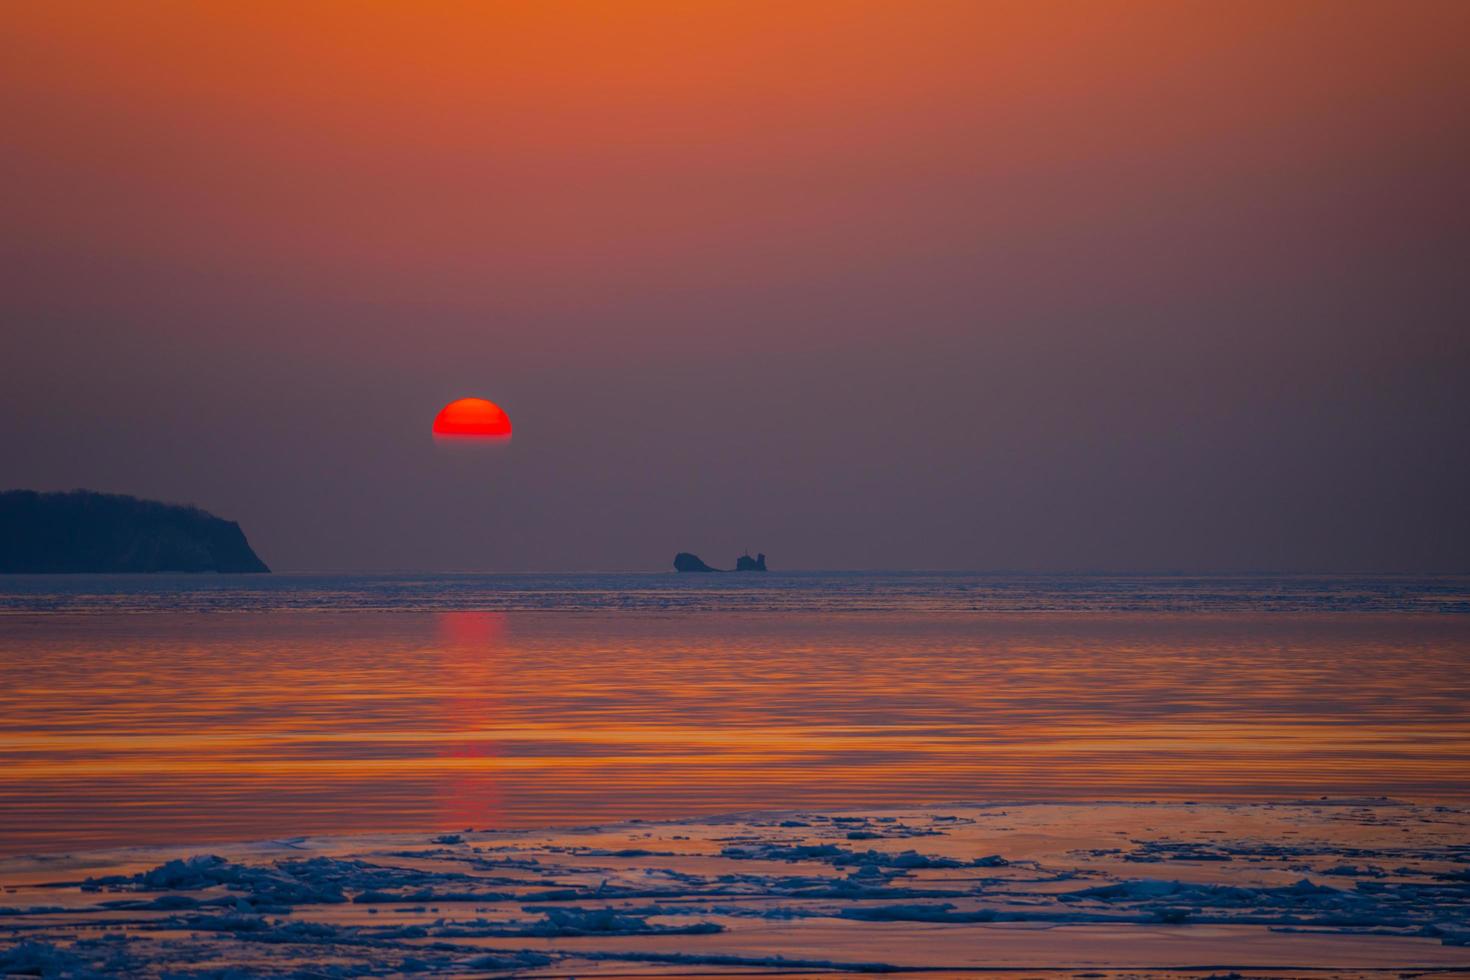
(956, 887)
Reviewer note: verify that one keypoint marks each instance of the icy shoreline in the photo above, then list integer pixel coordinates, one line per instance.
(1354, 887)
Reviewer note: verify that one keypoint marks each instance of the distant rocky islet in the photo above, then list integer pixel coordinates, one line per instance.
(686, 561)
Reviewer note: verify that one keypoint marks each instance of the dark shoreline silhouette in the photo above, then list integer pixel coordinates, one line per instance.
(86, 531)
(686, 561)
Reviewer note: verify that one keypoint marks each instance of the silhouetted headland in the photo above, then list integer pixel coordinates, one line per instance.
(85, 531)
(687, 562)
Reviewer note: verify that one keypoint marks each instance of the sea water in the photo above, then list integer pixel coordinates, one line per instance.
(149, 709)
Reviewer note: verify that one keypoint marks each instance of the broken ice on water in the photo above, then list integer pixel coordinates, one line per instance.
(1338, 885)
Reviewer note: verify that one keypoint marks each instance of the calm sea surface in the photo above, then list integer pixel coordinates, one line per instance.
(141, 710)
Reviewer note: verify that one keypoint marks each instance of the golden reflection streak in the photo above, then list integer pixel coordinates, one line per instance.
(230, 724)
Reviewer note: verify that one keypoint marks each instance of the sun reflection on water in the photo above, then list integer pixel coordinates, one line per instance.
(153, 727)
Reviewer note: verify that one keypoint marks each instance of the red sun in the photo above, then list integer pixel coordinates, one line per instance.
(472, 418)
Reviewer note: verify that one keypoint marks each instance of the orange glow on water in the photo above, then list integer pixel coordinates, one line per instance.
(138, 728)
(472, 418)
(468, 794)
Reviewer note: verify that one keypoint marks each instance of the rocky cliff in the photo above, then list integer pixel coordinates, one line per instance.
(84, 531)
(685, 562)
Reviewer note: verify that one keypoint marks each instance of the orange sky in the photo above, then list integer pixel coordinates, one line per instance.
(518, 201)
(612, 145)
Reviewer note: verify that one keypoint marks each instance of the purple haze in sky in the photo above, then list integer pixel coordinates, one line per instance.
(940, 286)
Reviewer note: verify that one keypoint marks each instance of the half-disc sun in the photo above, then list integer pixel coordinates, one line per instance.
(472, 418)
